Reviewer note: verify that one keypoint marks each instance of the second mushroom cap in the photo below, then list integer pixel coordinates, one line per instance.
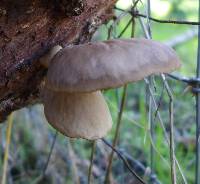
(77, 115)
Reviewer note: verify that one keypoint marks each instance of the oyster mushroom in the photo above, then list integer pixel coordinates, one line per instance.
(77, 73)
(109, 64)
(76, 115)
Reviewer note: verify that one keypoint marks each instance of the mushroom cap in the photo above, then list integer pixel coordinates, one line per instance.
(77, 115)
(109, 64)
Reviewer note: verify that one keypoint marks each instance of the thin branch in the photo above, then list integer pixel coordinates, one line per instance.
(150, 117)
(91, 161)
(112, 27)
(148, 16)
(8, 135)
(165, 132)
(197, 155)
(182, 38)
(159, 102)
(136, 165)
(122, 105)
(39, 178)
(125, 28)
(124, 160)
(172, 147)
(137, 14)
(169, 21)
(155, 104)
(72, 155)
(50, 153)
(125, 115)
(135, 4)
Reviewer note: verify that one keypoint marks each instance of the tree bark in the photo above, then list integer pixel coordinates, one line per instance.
(28, 29)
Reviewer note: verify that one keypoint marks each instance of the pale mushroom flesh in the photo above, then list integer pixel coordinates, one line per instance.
(77, 115)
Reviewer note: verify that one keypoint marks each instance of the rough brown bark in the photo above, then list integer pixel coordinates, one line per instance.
(28, 28)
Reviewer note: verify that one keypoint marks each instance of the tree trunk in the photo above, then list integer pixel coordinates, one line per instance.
(28, 29)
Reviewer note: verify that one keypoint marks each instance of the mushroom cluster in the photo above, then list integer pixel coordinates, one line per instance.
(73, 103)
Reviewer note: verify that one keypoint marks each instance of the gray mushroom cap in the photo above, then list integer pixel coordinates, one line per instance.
(109, 64)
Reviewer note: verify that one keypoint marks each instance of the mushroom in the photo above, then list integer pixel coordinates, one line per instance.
(109, 64)
(77, 115)
(72, 101)
(84, 115)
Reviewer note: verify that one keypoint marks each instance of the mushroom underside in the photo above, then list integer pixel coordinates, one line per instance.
(78, 115)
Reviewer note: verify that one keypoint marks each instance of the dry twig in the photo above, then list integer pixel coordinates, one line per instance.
(8, 136)
(91, 161)
(122, 105)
